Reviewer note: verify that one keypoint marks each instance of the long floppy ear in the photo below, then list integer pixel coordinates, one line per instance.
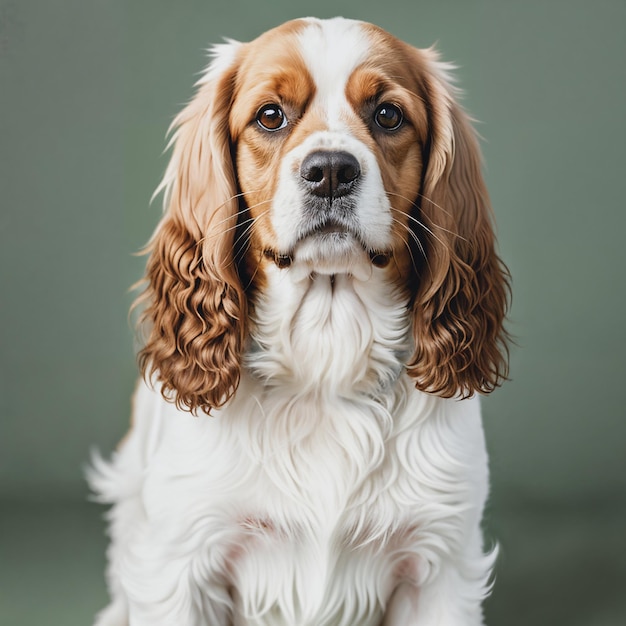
(194, 304)
(463, 289)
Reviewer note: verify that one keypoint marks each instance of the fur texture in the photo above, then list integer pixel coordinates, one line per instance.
(324, 283)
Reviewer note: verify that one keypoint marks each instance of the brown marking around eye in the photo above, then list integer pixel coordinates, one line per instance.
(272, 72)
(400, 154)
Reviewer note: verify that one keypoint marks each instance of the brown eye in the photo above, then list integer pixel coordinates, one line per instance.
(388, 116)
(271, 117)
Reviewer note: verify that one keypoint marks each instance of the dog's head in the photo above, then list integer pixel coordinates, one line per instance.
(332, 146)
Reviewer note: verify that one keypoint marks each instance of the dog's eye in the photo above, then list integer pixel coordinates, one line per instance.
(388, 116)
(271, 117)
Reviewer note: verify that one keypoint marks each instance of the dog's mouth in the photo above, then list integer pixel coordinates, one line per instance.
(328, 244)
(378, 258)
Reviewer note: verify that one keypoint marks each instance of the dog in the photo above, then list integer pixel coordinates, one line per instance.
(323, 304)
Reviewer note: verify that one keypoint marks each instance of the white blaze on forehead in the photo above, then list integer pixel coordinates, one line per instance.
(332, 50)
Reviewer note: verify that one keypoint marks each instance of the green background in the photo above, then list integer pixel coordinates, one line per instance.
(87, 90)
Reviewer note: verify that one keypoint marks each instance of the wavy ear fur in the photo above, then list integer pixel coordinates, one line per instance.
(194, 304)
(463, 287)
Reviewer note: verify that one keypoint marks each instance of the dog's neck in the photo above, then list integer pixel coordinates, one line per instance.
(340, 334)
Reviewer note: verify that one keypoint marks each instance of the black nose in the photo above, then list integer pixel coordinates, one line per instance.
(330, 174)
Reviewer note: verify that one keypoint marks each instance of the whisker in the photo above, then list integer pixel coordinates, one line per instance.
(256, 270)
(428, 230)
(421, 195)
(235, 227)
(433, 224)
(238, 195)
(223, 232)
(410, 251)
(422, 225)
(415, 239)
(245, 248)
(248, 228)
(239, 254)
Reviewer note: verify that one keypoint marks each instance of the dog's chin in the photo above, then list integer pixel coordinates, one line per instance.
(333, 252)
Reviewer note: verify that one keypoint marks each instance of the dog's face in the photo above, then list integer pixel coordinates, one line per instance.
(327, 146)
(330, 132)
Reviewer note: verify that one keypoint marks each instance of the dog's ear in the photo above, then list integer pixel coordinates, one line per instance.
(194, 306)
(463, 287)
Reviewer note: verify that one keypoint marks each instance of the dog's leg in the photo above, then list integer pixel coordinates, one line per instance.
(170, 578)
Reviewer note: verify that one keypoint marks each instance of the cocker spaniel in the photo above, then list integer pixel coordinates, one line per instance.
(323, 303)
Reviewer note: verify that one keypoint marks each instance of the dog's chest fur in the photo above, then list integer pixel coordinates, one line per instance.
(299, 520)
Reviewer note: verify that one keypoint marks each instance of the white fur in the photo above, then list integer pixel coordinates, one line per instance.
(328, 491)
